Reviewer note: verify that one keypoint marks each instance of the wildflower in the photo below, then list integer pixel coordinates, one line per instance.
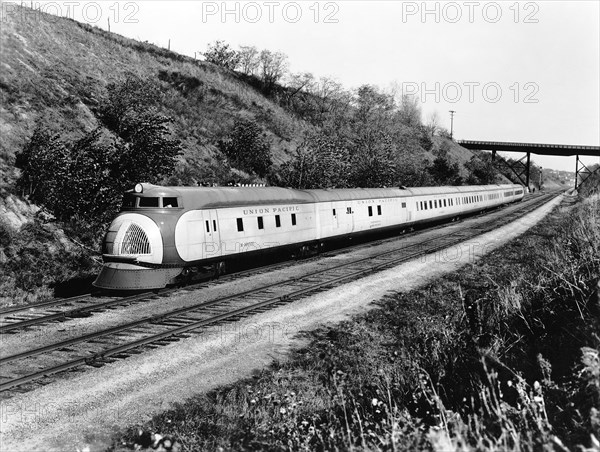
(253, 401)
(374, 402)
(282, 410)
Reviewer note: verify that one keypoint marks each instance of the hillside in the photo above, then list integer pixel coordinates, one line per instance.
(56, 70)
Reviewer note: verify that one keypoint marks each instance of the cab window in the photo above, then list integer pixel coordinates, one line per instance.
(170, 202)
(148, 202)
(129, 201)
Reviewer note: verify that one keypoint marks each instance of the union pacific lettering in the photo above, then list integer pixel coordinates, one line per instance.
(265, 210)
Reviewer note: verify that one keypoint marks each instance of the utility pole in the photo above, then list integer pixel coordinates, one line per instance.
(452, 123)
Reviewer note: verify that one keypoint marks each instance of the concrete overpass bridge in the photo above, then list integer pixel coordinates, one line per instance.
(536, 148)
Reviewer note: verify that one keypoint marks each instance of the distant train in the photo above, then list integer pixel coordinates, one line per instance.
(165, 234)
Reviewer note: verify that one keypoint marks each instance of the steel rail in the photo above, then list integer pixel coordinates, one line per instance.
(73, 313)
(240, 311)
(183, 310)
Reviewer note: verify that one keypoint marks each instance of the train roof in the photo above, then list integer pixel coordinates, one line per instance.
(213, 197)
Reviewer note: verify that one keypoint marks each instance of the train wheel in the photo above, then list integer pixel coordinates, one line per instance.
(219, 269)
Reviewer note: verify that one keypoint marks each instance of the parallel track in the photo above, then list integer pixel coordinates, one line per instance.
(15, 318)
(120, 341)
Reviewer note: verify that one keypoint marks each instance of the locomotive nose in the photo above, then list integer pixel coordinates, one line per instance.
(132, 253)
(134, 236)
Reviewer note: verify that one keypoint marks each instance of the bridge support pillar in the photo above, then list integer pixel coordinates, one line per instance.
(582, 171)
(576, 170)
(527, 169)
(493, 155)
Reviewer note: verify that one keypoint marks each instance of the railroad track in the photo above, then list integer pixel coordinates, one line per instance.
(15, 318)
(27, 369)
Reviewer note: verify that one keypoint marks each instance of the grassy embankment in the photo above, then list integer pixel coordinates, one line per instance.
(502, 355)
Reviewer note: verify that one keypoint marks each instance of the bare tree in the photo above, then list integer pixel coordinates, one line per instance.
(300, 82)
(273, 65)
(433, 122)
(410, 110)
(249, 61)
(331, 96)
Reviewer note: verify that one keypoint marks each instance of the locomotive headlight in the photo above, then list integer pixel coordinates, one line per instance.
(139, 188)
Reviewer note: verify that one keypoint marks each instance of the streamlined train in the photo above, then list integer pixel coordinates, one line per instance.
(164, 234)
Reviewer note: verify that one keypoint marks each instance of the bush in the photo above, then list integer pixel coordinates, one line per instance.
(247, 148)
(85, 179)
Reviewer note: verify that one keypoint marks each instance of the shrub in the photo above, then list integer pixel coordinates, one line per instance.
(84, 179)
(247, 148)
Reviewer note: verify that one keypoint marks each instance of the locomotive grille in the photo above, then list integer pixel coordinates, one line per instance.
(135, 241)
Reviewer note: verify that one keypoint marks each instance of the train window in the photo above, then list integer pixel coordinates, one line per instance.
(128, 201)
(169, 202)
(370, 211)
(444, 203)
(240, 224)
(425, 204)
(430, 205)
(379, 208)
(293, 219)
(260, 223)
(207, 226)
(148, 202)
(404, 205)
(417, 204)
(348, 210)
(215, 225)
(277, 221)
(435, 203)
(334, 212)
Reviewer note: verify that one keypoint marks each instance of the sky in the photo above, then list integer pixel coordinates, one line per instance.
(512, 71)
